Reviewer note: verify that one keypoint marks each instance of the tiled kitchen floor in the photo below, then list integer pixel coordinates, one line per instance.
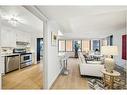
(28, 78)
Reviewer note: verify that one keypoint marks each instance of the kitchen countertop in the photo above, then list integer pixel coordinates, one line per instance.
(8, 54)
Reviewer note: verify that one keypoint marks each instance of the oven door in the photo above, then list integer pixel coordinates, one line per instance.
(26, 58)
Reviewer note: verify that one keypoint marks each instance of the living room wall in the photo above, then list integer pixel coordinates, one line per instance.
(52, 61)
(117, 40)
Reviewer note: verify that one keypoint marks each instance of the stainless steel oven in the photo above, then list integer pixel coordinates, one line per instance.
(26, 59)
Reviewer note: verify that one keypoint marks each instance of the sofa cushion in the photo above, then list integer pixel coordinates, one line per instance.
(94, 62)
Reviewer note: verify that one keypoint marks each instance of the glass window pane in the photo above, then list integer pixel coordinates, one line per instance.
(61, 45)
(96, 45)
(104, 42)
(78, 43)
(68, 45)
(86, 45)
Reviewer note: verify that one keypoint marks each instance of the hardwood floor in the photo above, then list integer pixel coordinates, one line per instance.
(73, 80)
(28, 78)
(32, 78)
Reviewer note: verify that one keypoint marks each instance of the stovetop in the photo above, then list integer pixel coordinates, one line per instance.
(24, 53)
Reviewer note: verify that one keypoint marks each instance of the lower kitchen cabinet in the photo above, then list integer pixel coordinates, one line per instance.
(1, 70)
(0, 81)
(2, 65)
(33, 58)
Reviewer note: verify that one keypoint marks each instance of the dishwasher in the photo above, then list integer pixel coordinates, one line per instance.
(12, 63)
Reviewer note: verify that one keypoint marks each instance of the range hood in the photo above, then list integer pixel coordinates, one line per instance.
(22, 43)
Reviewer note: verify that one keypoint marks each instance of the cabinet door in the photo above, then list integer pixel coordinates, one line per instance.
(4, 38)
(0, 81)
(23, 37)
(27, 37)
(19, 36)
(2, 65)
(12, 39)
(8, 38)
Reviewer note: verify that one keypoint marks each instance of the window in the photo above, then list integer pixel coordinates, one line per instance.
(104, 42)
(61, 45)
(79, 44)
(86, 45)
(68, 45)
(96, 44)
(110, 40)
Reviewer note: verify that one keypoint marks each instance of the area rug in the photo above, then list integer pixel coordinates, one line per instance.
(97, 84)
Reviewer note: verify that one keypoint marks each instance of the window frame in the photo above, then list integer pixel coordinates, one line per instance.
(99, 44)
(89, 44)
(71, 45)
(64, 45)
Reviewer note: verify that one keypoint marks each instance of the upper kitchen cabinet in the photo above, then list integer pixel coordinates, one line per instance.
(23, 37)
(8, 37)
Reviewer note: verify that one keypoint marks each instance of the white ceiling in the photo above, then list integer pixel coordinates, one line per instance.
(76, 21)
(86, 21)
(29, 22)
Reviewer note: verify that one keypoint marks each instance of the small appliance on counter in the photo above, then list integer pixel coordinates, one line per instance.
(25, 57)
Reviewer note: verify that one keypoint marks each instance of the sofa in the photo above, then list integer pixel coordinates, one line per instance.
(91, 68)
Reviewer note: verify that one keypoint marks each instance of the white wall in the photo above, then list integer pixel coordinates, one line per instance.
(0, 56)
(0, 59)
(34, 37)
(117, 40)
(51, 54)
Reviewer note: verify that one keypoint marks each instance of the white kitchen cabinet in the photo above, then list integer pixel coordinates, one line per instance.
(19, 36)
(0, 81)
(1, 69)
(33, 58)
(2, 65)
(27, 37)
(23, 36)
(8, 38)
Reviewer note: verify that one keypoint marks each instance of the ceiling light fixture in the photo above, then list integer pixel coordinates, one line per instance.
(12, 19)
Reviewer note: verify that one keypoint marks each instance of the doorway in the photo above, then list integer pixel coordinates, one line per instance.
(39, 49)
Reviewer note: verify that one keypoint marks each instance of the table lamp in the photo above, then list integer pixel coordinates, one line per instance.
(109, 51)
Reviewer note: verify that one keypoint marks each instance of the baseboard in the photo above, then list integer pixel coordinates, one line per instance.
(55, 78)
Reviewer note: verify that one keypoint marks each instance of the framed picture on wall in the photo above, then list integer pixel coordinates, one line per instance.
(124, 47)
(53, 38)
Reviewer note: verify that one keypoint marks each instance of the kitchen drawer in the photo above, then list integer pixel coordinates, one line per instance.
(22, 65)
